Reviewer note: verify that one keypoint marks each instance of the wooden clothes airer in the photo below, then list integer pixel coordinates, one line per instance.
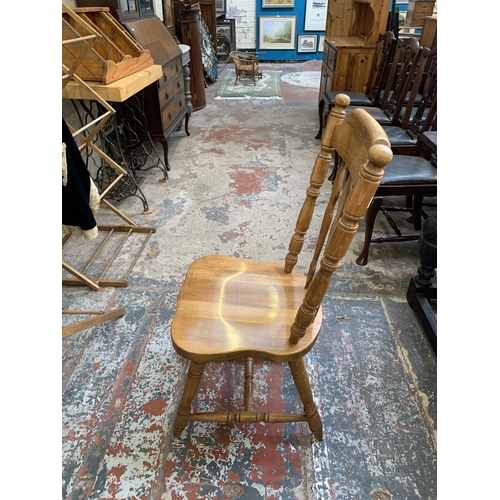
(83, 44)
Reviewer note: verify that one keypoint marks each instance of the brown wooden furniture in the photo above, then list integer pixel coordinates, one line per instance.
(232, 309)
(422, 291)
(209, 14)
(406, 75)
(417, 11)
(165, 100)
(123, 10)
(188, 31)
(246, 66)
(428, 37)
(113, 56)
(412, 176)
(384, 52)
(352, 31)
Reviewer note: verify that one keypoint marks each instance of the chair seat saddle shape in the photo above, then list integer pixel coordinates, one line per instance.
(231, 309)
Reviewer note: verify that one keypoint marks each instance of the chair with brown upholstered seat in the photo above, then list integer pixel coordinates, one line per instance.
(246, 66)
(233, 309)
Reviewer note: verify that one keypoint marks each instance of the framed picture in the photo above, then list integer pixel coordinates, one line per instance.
(277, 4)
(307, 43)
(321, 44)
(277, 32)
(226, 38)
(220, 6)
(315, 15)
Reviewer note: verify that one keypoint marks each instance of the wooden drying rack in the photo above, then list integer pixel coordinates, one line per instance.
(85, 43)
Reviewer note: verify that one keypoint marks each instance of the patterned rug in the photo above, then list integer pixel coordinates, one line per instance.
(268, 87)
(309, 79)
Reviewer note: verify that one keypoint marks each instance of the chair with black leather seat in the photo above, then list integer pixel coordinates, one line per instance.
(231, 309)
(407, 76)
(379, 73)
(409, 175)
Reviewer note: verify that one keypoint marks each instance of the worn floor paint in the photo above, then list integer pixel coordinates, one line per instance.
(236, 186)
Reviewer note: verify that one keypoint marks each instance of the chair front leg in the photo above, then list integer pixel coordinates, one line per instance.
(190, 388)
(301, 380)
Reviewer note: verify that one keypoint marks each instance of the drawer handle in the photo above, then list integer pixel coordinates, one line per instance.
(178, 85)
(180, 104)
(164, 77)
(177, 68)
(166, 95)
(169, 116)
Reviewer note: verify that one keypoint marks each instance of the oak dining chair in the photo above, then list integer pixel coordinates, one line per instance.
(232, 309)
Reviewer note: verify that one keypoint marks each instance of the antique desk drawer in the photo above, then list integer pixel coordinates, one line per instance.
(172, 87)
(170, 70)
(173, 108)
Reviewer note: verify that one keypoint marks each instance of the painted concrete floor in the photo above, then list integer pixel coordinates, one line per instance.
(235, 187)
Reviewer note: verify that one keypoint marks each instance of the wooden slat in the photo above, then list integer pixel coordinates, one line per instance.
(99, 318)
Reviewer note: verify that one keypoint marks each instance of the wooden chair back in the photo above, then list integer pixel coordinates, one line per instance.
(384, 53)
(405, 66)
(246, 65)
(406, 56)
(364, 149)
(425, 116)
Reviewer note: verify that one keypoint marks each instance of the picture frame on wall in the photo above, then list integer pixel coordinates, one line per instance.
(307, 43)
(226, 38)
(277, 32)
(277, 4)
(315, 19)
(321, 43)
(220, 6)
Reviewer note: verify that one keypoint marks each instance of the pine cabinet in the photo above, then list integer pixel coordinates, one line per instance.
(352, 31)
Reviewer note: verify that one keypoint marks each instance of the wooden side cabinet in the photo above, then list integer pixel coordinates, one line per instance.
(348, 64)
(351, 35)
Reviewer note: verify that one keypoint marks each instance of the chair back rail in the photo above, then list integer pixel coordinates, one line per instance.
(364, 148)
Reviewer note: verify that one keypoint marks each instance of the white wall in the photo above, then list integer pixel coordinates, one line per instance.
(244, 13)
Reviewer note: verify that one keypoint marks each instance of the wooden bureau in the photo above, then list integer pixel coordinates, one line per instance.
(165, 100)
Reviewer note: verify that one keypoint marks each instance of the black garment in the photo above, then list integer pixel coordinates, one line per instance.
(75, 195)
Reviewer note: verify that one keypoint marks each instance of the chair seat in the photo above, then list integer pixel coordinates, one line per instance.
(231, 308)
(405, 169)
(248, 67)
(376, 113)
(399, 137)
(357, 98)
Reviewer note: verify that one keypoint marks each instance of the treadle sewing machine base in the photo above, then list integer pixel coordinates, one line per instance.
(126, 139)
